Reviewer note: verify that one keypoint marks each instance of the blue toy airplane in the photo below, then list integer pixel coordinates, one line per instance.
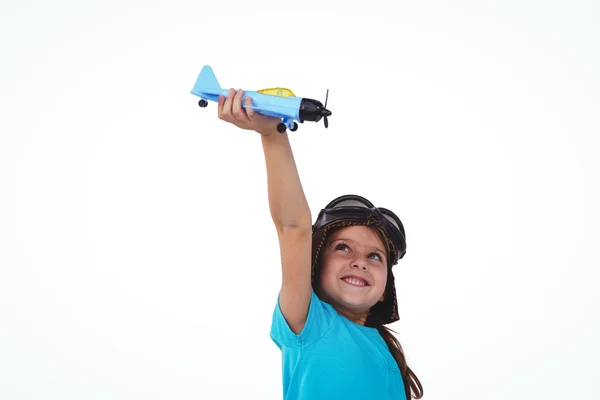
(275, 102)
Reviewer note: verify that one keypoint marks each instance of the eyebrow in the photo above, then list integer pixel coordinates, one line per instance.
(350, 240)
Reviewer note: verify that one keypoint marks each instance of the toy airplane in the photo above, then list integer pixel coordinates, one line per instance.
(276, 102)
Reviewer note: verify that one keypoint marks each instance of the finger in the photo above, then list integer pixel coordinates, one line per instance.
(238, 112)
(227, 106)
(220, 106)
(249, 111)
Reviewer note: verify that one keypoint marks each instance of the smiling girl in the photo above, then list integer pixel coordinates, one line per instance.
(337, 291)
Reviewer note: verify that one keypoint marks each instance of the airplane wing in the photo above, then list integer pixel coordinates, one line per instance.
(198, 91)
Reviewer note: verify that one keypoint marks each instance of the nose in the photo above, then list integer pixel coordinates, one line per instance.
(360, 265)
(312, 110)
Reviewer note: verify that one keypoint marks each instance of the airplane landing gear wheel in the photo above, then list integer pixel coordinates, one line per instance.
(294, 128)
(203, 103)
(281, 127)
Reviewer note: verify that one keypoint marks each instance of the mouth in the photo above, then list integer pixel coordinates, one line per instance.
(355, 280)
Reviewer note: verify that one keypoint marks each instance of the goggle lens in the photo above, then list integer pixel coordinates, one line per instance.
(354, 202)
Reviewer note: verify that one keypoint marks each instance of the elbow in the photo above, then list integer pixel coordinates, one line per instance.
(297, 226)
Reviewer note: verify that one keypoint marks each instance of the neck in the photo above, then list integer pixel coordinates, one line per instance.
(359, 319)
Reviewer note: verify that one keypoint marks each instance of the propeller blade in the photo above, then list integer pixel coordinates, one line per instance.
(326, 97)
(326, 123)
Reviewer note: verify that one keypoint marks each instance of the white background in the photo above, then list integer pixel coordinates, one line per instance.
(137, 255)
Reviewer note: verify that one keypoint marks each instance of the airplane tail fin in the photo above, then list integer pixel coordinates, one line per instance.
(207, 81)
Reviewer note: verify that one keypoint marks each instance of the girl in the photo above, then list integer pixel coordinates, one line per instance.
(337, 289)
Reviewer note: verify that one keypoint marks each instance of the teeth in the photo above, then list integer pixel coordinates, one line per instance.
(355, 281)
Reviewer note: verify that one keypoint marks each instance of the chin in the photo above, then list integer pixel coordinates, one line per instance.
(360, 300)
(357, 301)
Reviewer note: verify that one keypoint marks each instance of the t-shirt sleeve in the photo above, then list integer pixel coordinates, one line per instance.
(318, 322)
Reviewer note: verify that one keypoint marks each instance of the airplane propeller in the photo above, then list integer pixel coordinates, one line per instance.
(325, 112)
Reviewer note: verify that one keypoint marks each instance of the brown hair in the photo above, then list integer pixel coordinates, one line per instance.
(409, 378)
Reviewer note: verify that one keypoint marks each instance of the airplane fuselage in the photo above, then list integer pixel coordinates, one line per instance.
(274, 106)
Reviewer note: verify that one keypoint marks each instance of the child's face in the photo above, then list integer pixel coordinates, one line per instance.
(353, 271)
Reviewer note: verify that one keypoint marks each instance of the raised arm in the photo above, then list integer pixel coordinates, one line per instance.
(289, 208)
(292, 218)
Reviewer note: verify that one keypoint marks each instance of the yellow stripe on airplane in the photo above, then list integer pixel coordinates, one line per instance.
(279, 92)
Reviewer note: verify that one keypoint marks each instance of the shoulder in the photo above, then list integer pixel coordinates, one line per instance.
(321, 317)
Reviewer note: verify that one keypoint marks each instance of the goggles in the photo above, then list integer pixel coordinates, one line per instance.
(357, 209)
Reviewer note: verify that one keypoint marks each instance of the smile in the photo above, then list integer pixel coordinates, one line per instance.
(355, 281)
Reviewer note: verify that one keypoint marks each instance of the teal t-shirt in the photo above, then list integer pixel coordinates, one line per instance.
(334, 358)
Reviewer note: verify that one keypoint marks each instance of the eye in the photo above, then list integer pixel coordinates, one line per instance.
(379, 257)
(342, 246)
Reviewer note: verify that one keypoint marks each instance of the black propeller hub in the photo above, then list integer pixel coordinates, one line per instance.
(314, 110)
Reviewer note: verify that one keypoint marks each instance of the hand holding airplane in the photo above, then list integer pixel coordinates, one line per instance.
(232, 110)
(275, 102)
